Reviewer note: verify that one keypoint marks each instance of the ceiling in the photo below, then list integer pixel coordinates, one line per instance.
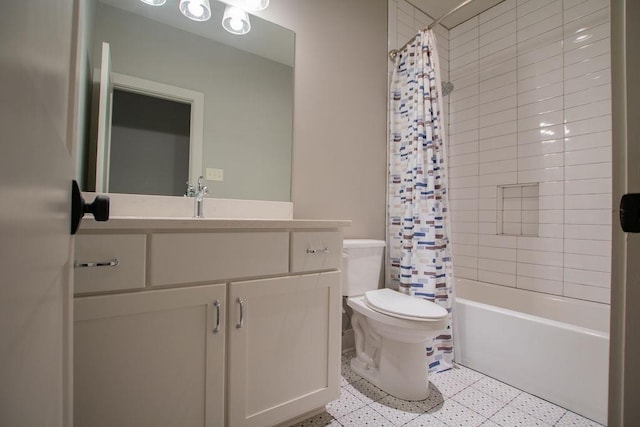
(437, 8)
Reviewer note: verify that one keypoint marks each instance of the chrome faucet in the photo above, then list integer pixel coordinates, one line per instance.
(198, 193)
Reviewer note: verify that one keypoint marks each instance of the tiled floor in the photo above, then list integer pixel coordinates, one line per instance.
(459, 397)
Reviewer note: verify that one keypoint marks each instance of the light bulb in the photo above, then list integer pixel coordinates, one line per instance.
(236, 24)
(154, 2)
(194, 9)
(236, 20)
(197, 10)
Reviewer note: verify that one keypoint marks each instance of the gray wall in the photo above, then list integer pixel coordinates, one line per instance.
(339, 130)
(248, 111)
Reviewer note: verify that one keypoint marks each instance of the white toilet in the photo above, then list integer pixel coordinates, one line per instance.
(391, 329)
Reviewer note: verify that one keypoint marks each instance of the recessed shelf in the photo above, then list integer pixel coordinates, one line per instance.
(518, 209)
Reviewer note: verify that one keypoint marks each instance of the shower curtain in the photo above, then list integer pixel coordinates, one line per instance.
(419, 249)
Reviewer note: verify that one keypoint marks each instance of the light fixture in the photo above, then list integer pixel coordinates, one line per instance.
(197, 10)
(255, 5)
(154, 2)
(236, 20)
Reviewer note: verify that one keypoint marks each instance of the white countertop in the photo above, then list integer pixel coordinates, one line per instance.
(89, 225)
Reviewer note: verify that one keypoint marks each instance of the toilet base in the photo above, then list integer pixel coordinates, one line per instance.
(402, 370)
(367, 372)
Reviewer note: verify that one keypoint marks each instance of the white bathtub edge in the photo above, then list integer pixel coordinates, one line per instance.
(533, 318)
(564, 364)
(586, 314)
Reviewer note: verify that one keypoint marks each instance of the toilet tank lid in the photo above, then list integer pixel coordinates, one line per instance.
(363, 243)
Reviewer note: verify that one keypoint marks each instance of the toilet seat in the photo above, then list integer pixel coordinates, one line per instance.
(396, 304)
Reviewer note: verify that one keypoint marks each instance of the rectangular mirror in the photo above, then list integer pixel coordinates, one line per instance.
(228, 99)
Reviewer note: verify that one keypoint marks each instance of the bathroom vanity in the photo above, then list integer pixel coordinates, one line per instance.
(210, 322)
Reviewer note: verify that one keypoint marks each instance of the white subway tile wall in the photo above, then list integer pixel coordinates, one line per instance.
(532, 104)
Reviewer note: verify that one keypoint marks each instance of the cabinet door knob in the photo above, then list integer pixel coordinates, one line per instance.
(241, 304)
(216, 305)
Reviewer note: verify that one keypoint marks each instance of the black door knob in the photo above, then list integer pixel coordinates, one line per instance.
(99, 208)
(630, 213)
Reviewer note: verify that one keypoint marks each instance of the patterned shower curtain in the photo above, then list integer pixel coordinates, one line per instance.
(419, 248)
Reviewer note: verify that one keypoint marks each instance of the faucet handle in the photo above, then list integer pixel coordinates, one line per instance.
(190, 191)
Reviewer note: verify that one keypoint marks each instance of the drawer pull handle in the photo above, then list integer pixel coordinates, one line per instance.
(113, 263)
(216, 304)
(318, 251)
(241, 303)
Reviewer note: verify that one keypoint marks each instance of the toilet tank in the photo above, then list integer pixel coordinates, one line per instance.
(362, 262)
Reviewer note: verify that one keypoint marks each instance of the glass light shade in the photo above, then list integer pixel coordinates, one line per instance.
(154, 2)
(236, 20)
(256, 5)
(197, 10)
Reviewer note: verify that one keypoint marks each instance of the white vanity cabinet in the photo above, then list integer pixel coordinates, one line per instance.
(284, 351)
(233, 323)
(150, 358)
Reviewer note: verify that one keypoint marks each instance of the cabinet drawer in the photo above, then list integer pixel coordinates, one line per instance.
(128, 249)
(199, 257)
(315, 250)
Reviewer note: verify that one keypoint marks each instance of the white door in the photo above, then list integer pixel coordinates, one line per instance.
(36, 170)
(624, 374)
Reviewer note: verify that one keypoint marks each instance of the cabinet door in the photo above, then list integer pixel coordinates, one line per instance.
(150, 358)
(284, 354)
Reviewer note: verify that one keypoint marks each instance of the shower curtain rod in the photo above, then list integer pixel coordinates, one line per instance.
(394, 52)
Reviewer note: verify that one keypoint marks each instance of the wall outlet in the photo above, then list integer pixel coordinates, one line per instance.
(214, 174)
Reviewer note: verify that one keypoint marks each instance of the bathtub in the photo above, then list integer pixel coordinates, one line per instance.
(553, 347)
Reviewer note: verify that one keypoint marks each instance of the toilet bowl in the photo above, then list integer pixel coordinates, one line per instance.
(391, 329)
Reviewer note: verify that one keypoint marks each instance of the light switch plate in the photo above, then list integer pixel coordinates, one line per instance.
(214, 174)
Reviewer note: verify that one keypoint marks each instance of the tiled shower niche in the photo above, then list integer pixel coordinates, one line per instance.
(518, 209)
